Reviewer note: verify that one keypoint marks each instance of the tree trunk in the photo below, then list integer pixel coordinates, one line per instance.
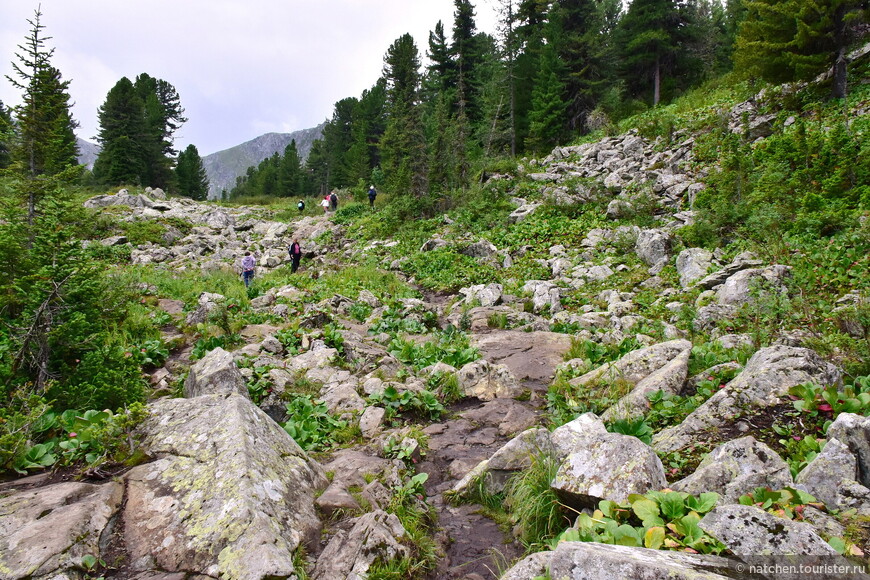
(839, 79)
(657, 82)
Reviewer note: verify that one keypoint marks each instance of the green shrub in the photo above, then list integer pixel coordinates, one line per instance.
(445, 269)
(108, 377)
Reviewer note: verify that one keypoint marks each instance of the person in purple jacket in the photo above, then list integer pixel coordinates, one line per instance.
(248, 263)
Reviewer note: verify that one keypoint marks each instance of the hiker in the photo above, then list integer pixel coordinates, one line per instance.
(301, 205)
(248, 263)
(333, 201)
(325, 204)
(295, 255)
(372, 195)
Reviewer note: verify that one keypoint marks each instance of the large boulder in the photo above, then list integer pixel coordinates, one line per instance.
(636, 365)
(767, 377)
(215, 374)
(737, 468)
(45, 532)
(670, 378)
(594, 561)
(832, 478)
(232, 494)
(750, 531)
(611, 466)
(692, 265)
(854, 431)
(741, 287)
(654, 247)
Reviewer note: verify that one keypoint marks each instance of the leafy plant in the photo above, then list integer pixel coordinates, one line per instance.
(655, 520)
(422, 404)
(452, 347)
(634, 427)
(204, 345)
(311, 425)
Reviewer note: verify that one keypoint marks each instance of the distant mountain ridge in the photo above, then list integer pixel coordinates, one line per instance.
(222, 168)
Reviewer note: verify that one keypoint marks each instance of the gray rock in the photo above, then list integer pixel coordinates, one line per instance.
(738, 289)
(484, 294)
(737, 468)
(692, 265)
(854, 431)
(832, 470)
(371, 420)
(487, 382)
(524, 211)
(611, 466)
(572, 436)
(215, 374)
(46, 531)
(535, 565)
(635, 365)
(670, 378)
(480, 249)
(767, 377)
(544, 295)
(350, 554)
(618, 209)
(653, 246)
(750, 531)
(593, 561)
(232, 497)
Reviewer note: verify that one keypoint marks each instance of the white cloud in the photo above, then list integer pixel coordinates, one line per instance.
(241, 67)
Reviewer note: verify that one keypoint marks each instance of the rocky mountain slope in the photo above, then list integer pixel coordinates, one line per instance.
(223, 167)
(423, 412)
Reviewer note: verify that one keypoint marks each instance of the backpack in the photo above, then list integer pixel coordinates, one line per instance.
(333, 199)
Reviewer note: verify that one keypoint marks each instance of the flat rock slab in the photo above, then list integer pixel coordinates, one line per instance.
(47, 530)
(531, 356)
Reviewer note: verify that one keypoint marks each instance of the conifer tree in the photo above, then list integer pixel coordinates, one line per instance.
(190, 176)
(403, 144)
(122, 136)
(547, 117)
(648, 36)
(290, 172)
(6, 135)
(46, 142)
(787, 40)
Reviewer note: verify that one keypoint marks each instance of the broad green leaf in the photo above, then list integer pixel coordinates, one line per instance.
(838, 544)
(648, 512)
(654, 538)
(672, 506)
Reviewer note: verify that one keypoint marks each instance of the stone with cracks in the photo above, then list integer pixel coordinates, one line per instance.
(611, 466)
(854, 431)
(636, 365)
(594, 561)
(232, 494)
(737, 468)
(767, 377)
(750, 531)
(46, 531)
(487, 382)
(653, 247)
(375, 535)
(215, 374)
(572, 436)
(670, 378)
(692, 265)
(832, 478)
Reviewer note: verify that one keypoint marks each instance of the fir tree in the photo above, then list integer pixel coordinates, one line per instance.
(290, 172)
(648, 36)
(46, 142)
(190, 175)
(787, 40)
(403, 144)
(122, 136)
(6, 136)
(547, 117)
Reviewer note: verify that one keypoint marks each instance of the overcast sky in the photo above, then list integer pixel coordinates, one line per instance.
(241, 67)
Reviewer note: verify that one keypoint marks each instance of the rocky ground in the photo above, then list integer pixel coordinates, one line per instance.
(228, 493)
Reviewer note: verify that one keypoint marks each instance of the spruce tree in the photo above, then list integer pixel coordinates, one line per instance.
(649, 40)
(787, 40)
(122, 136)
(575, 32)
(6, 136)
(290, 172)
(547, 117)
(403, 144)
(46, 142)
(190, 176)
